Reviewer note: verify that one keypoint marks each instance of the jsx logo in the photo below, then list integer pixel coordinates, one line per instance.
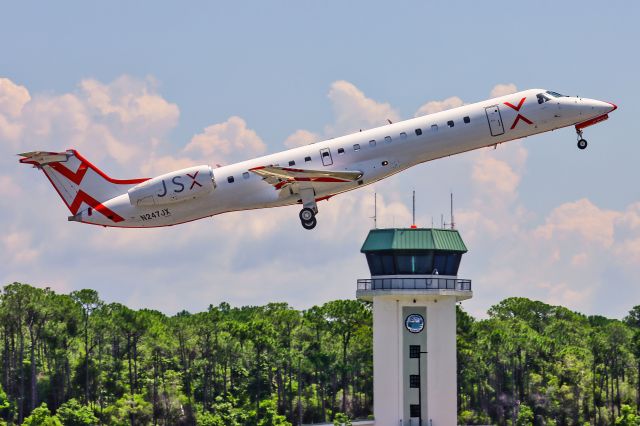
(178, 186)
(519, 116)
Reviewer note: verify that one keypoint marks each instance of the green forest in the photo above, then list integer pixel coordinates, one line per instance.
(76, 360)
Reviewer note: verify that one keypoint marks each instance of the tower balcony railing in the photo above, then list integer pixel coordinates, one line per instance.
(432, 283)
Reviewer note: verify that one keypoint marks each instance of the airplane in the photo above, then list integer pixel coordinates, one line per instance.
(311, 173)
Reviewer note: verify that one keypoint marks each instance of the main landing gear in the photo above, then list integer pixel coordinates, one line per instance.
(582, 143)
(308, 218)
(309, 208)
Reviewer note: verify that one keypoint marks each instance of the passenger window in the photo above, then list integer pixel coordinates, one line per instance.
(467, 120)
(418, 132)
(434, 127)
(387, 139)
(292, 163)
(307, 159)
(245, 175)
(403, 135)
(450, 123)
(356, 147)
(230, 179)
(340, 151)
(372, 143)
(325, 153)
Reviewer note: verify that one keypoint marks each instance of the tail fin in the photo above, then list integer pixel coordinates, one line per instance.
(78, 181)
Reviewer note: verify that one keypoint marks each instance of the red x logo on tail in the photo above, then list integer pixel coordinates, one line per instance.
(519, 116)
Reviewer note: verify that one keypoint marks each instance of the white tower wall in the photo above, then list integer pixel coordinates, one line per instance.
(391, 365)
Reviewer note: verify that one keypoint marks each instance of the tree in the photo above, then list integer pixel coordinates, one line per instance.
(261, 365)
(344, 317)
(633, 320)
(72, 413)
(525, 416)
(627, 417)
(5, 405)
(41, 416)
(88, 301)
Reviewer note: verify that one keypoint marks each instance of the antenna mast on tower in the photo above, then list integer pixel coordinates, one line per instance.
(413, 224)
(375, 210)
(453, 224)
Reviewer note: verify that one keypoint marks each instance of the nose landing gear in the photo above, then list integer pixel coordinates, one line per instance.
(582, 143)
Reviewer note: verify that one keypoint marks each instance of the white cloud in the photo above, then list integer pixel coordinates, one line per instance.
(130, 104)
(503, 89)
(18, 248)
(582, 220)
(227, 142)
(432, 107)
(12, 97)
(496, 175)
(354, 111)
(301, 138)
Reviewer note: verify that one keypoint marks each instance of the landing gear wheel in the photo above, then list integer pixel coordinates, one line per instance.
(307, 214)
(310, 224)
(582, 143)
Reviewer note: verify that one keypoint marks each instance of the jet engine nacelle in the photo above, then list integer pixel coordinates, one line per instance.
(181, 185)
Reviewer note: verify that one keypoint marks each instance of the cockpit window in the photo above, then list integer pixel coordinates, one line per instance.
(542, 98)
(555, 94)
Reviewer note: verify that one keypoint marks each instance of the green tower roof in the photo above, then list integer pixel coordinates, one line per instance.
(413, 239)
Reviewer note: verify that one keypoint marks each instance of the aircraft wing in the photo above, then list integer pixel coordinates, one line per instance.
(282, 176)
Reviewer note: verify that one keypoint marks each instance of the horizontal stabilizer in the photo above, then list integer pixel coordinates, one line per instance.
(41, 158)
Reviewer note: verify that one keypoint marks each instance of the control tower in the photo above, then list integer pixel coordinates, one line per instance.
(414, 288)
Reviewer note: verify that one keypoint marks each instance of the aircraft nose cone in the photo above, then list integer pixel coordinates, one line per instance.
(602, 107)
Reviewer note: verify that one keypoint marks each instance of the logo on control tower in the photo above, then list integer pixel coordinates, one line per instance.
(414, 323)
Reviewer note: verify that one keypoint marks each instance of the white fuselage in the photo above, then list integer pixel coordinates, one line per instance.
(397, 147)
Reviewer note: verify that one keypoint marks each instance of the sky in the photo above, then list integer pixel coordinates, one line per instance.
(142, 88)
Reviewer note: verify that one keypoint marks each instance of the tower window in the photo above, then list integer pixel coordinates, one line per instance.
(414, 381)
(414, 410)
(414, 351)
(467, 120)
(418, 132)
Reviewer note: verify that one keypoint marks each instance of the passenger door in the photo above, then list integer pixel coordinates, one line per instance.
(495, 120)
(325, 154)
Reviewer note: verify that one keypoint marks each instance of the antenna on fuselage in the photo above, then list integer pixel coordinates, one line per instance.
(390, 122)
